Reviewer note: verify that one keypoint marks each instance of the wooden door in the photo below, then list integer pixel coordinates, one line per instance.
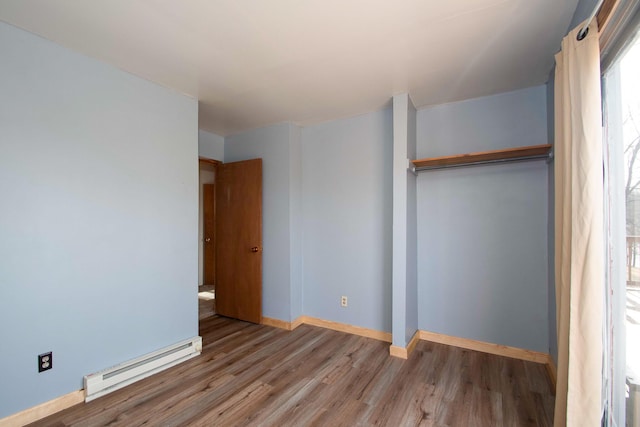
(239, 240)
(209, 234)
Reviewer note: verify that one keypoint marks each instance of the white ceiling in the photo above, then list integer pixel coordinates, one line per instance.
(257, 62)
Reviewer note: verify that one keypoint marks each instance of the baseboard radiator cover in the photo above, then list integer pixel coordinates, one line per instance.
(100, 383)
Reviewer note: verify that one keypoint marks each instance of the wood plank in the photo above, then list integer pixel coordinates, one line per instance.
(43, 410)
(497, 349)
(399, 352)
(257, 375)
(405, 352)
(277, 323)
(553, 372)
(206, 160)
(603, 15)
(398, 399)
(483, 156)
(350, 329)
(297, 322)
(284, 404)
(328, 324)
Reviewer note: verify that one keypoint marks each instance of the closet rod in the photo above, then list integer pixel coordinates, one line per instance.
(485, 162)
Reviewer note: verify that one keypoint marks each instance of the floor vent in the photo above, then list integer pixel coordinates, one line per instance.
(108, 380)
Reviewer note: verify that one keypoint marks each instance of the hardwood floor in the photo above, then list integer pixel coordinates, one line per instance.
(258, 375)
(206, 302)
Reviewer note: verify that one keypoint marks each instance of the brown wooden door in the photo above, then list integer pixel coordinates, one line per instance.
(239, 240)
(209, 234)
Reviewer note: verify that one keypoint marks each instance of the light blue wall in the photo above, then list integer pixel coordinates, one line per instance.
(295, 215)
(553, 333)
(511, 119)
(346, 210)
(582, 12)
(272, 144)
(404, 259)
(482, 231)
(210, 145)
(98, 225)
(412, 231)
(399, 220)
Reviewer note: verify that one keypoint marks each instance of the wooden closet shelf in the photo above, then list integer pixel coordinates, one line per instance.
(533, 151)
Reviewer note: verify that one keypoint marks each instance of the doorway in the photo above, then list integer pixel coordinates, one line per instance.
(239, 240)
(206, 238)
(230, 240)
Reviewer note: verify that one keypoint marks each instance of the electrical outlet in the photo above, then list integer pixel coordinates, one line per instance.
(45, 361)
(343, 301)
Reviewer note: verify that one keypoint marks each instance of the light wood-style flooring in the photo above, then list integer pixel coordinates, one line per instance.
(254, 375)
(206, 301)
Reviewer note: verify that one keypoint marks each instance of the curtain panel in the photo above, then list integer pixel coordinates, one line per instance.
(579, 240)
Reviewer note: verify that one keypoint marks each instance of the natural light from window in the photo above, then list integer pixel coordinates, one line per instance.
(630, 97)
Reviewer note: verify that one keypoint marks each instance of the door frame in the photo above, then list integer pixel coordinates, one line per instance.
(207, 164)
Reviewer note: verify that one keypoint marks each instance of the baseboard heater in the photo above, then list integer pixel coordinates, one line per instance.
(111, 379)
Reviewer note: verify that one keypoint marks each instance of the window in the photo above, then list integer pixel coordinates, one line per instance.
(622, 154)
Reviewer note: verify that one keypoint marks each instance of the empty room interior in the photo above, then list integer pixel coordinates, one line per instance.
(303, 213)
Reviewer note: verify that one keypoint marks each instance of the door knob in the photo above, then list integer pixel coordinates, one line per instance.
(254, 249)
(208, 239)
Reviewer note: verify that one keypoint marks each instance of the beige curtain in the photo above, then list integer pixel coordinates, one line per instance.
(579, 246)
